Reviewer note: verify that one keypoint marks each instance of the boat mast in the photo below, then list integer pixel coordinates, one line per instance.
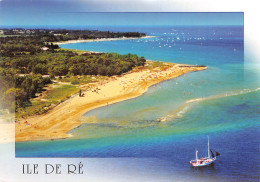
(208, 148)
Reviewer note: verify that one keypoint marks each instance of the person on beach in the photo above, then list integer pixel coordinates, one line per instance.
(80, 92)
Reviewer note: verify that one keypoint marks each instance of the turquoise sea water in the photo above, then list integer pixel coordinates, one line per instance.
(229, 115)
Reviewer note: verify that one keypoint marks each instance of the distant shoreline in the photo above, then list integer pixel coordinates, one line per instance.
(56, 123)
(99, 40)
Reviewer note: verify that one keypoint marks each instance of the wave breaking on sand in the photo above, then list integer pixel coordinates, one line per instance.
(186, 106)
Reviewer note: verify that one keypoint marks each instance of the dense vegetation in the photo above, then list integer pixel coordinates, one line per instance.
(23, 62)
(16, 90)
(60, 63)
(64, 34)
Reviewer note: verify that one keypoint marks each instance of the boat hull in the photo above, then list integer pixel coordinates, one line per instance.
(202, 162)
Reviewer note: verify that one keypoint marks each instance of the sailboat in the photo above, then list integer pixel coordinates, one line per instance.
(205, 161)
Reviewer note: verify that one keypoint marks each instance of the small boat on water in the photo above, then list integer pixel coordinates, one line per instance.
(205, 161)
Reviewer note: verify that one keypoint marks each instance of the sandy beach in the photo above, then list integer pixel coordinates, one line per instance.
(99, 40)
(56, 123)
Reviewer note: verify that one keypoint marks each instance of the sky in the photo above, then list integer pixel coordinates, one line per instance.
(114, 12)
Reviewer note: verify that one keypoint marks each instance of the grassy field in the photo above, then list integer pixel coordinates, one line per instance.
(73, 50)
(59, 93)
(2, 35)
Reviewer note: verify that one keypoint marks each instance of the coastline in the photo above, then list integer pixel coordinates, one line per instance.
(56, 123)
(99, 40)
